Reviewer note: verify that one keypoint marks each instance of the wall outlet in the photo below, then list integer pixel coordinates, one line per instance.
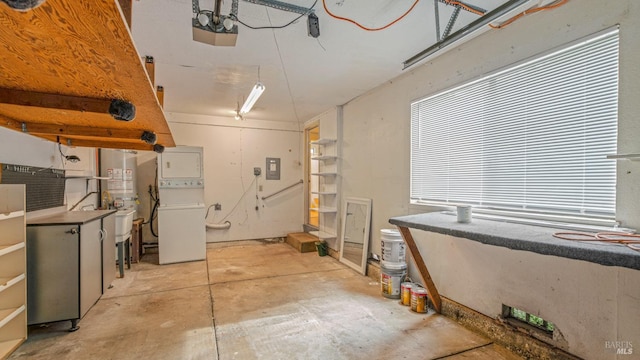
(257, 171)
(217, 207)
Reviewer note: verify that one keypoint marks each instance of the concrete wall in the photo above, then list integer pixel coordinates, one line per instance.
(231, 150)
(590, 303)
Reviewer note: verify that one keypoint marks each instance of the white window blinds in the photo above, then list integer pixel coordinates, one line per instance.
(533, 137)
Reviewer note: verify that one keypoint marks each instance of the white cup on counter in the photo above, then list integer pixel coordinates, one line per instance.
(464, 213)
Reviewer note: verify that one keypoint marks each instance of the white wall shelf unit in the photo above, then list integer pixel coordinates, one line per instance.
(13, 289)
(324, 192)
(323, 235)
(327, 158)
(324, 141)
(324, 157)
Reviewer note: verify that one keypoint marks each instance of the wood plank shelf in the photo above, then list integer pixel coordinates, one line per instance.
(7, 249)
(6, 283)
(9, 346)
(7, 315)
(81, 97)
(11, 215)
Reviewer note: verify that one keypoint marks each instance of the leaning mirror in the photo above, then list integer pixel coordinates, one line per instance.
(354, 244)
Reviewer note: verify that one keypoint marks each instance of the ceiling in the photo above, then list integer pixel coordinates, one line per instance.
(304, 76)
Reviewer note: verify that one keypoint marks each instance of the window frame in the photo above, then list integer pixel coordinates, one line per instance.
(529, 216)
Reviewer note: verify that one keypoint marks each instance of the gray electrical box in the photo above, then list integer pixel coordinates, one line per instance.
(273, 169)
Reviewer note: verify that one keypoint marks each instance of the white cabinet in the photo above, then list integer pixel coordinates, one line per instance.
(327, 191)
(108, 253)
(13, 289)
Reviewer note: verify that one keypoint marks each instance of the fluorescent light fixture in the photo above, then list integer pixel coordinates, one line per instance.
(257, 90)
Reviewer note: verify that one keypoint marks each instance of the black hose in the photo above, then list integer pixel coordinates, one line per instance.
(153, 216)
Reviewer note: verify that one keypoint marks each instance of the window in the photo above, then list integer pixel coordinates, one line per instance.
(523, 318)
(529, 138)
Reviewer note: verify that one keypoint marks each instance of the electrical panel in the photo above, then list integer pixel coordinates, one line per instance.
(273, 169)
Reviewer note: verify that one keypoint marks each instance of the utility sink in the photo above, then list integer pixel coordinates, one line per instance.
(124, 222)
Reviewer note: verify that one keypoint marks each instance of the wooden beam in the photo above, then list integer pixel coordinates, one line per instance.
(424, 273)
(104, 144)
(150, 67)
(160, 95)
(114, 107)
(125, 6)
(70, 130)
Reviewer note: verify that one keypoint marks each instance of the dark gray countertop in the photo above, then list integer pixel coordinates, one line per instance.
(522, 237)
(69, 217)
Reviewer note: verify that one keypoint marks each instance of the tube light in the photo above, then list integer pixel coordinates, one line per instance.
(257, 90)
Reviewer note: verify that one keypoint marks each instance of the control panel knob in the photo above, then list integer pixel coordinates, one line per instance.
(161, 183)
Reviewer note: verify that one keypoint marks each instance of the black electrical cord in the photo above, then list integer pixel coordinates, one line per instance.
(154, 202)
(273, 27)
(153, 216)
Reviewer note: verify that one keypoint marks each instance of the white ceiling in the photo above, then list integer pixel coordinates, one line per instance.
(303, 76)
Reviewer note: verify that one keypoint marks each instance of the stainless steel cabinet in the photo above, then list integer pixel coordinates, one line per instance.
(53, 273)
(65, 272)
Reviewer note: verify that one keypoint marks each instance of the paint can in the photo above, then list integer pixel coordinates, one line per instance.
(392, 245)
(405, 293)
(419, 299)
(391, 275)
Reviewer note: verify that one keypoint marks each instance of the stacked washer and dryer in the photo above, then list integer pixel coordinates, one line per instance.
(181, 209)
(181, 213)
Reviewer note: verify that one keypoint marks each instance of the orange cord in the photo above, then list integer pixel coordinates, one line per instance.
(528, 12)
(632, 241)
(364, 27)
(464, 6)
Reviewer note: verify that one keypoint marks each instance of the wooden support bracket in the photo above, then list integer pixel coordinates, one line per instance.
(160, 95)
(39, 129)
(432, 291)
(106, 143)
(150, 67)
(118, 109)
(125, 6)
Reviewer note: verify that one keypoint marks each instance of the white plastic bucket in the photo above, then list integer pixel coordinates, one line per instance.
(392, 245)
(391, 276)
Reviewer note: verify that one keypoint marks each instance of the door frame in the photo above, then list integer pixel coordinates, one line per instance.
(307, 168)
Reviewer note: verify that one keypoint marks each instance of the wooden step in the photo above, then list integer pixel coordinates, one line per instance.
(303, 242)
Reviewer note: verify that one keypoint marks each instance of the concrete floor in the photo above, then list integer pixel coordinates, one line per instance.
(268, 302)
